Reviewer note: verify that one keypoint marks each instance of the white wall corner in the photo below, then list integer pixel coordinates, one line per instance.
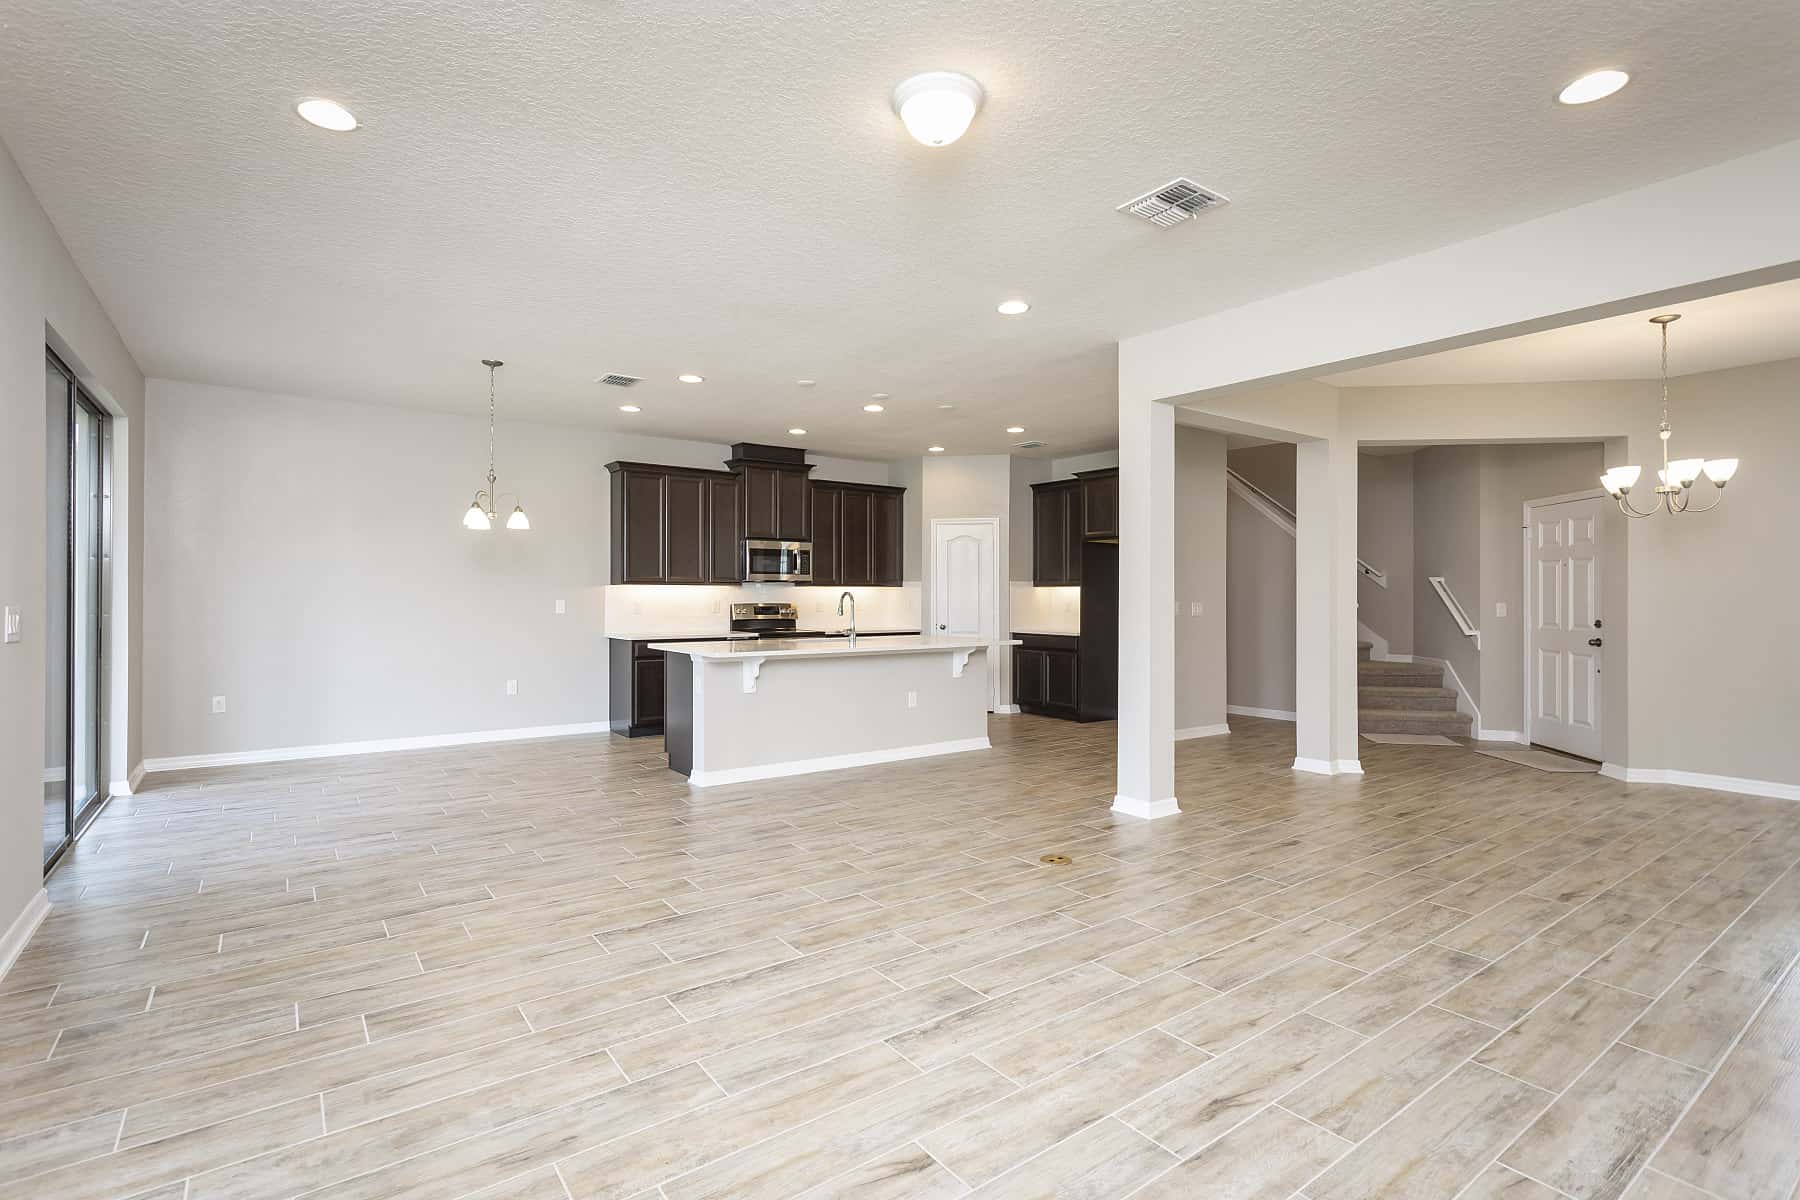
(1201, 731)
(1329, 766)
(129, 785)
(1145, 810)
(1768, 788)
(12, 942)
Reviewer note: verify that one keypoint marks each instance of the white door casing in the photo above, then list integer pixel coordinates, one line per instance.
(965, 587)
(1562, 665)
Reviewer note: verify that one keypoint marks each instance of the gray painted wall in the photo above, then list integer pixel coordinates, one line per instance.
(1200, 546)
(1384, 540)
(1447, 542)
(1259, 585)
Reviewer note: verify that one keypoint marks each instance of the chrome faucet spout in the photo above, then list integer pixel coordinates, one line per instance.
(851, 597)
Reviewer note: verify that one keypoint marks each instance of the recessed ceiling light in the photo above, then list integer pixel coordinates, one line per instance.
(798, 432)
(1012, 308)
(326, 114)
(629, 408)
(1595, 85)
(873, 408)
(806, 382)
(692, 378)
(879, 396)
(1015, 429)
(935, 449)
(937, 106)
(945, 407)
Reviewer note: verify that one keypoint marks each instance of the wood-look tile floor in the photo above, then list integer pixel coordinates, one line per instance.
(549, 969)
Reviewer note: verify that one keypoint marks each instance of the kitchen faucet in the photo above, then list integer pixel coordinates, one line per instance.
(851, 597)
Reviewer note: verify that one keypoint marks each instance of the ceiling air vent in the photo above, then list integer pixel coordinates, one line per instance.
(616, 380)
(1173, 202)
(1033, 444)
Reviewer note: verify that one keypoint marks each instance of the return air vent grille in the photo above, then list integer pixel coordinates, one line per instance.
(616, 380)
(1033, 444)
(1174, 202)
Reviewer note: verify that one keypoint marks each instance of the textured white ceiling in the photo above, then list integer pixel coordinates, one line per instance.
(662, 186)
(1735, 329)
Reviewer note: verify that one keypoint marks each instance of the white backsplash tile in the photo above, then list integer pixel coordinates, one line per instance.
(1044, 609)
(652, 610)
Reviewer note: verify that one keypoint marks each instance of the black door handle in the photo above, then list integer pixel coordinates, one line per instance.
(1593, 641)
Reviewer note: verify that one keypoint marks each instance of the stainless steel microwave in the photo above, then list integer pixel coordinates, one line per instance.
(769, 561)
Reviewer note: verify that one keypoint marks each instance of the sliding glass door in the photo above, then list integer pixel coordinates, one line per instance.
(76, 533)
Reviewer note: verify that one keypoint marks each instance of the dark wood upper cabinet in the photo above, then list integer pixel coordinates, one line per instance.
(684, 537)
(777, 501)
(855, 552)
(762, 501)
(724, 518)
(637, 525)
(1100, 503)
(1065, 514)
(890, 538)
(793, 506)
(827, 513)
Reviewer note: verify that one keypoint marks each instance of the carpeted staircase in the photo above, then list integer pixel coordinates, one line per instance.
(1397, 697)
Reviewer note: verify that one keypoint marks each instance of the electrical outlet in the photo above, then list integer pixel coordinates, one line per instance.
(562, 606)
(1196, 609)
(218, 704)
(512, 687)
(1499, 608)
(912, 699)
(13, 620)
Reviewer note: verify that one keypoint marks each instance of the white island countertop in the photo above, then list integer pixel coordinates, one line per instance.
(827, 647)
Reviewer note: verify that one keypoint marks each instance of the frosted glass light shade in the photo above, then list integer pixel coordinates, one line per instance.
(1685, 470)
(1609, 481)
(1720, 470)
(518, 519)
(937, 107)
(475, 519)
(1623, 478)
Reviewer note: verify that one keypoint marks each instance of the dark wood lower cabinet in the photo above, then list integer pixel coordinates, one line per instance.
(1047, 675)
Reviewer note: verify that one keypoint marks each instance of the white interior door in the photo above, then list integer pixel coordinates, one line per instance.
(965, 597)
(1563, 690)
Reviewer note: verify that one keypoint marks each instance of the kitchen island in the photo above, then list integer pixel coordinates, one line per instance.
(742, 710)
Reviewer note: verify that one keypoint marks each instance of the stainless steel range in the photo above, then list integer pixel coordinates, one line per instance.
(765, 620)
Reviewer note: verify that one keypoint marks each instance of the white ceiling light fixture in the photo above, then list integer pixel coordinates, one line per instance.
(326, 114)
(1012, 308)
(797, 431)
(806, 382)
(937, 106)
(691, 378)
(935, 449)
(1595, 85)
(1675, 478)
(480, 514)
(1015, 429)
(629, 408)
(874, 408)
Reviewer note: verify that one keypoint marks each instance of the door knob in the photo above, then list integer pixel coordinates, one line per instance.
(1593, 641)
(942, 626)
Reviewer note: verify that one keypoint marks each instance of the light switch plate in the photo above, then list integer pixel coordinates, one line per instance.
(512, 687)
(14, 619)
(218, 704)
(1196, 609)
(1499, 608)
(562, 606)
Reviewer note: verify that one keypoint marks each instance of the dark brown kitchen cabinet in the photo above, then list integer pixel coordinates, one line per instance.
(890, 538)
(777, 502)
(858, 534)
(855, 552)
(1100, 503)
(1046, 675)
(1057, 533)
(673, 525)
(636, 688)
(724, 518)
(827, 515)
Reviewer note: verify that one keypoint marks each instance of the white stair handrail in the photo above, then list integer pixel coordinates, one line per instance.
(1456, 610)
(1283, 516)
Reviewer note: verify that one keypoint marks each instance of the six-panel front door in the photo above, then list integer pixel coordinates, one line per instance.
(1566, 632)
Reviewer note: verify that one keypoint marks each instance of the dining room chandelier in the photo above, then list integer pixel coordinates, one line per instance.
(480, 514)
(1676, 479)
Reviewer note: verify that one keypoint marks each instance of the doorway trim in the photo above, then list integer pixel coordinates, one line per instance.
(1001, 674)
(1528, 679)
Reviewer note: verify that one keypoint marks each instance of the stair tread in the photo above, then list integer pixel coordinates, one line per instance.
(1401, 689)
(1412, 713)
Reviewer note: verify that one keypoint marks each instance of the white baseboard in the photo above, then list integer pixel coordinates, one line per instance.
(1146, 810)
(127, 786)
(1715, 783)
(1200, 731)
(1007, 710)
(835, 762)
(378, 746)
(1272, 714)
(1329, 766)
(12, 942)
(1500, 735)
(54, 774)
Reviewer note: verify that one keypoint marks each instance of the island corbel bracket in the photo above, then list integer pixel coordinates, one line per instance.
(960, 659)
(752, 668)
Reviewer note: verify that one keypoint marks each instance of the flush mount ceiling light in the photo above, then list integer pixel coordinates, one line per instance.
(935, 449)
(1015, 429)
(691, 378)
(1012, 308)
(1675, 478)
(629, 408)
(326, 114)
(873, 408)
(806, 382)
(480, 514)
(797, 432)
(937, 106)
(1595, 85)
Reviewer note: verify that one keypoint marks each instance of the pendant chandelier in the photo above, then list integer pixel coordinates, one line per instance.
(480, 514)
(1675, 480)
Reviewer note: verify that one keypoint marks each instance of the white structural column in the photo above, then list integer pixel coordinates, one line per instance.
(1325, 607)
(1146, 785)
